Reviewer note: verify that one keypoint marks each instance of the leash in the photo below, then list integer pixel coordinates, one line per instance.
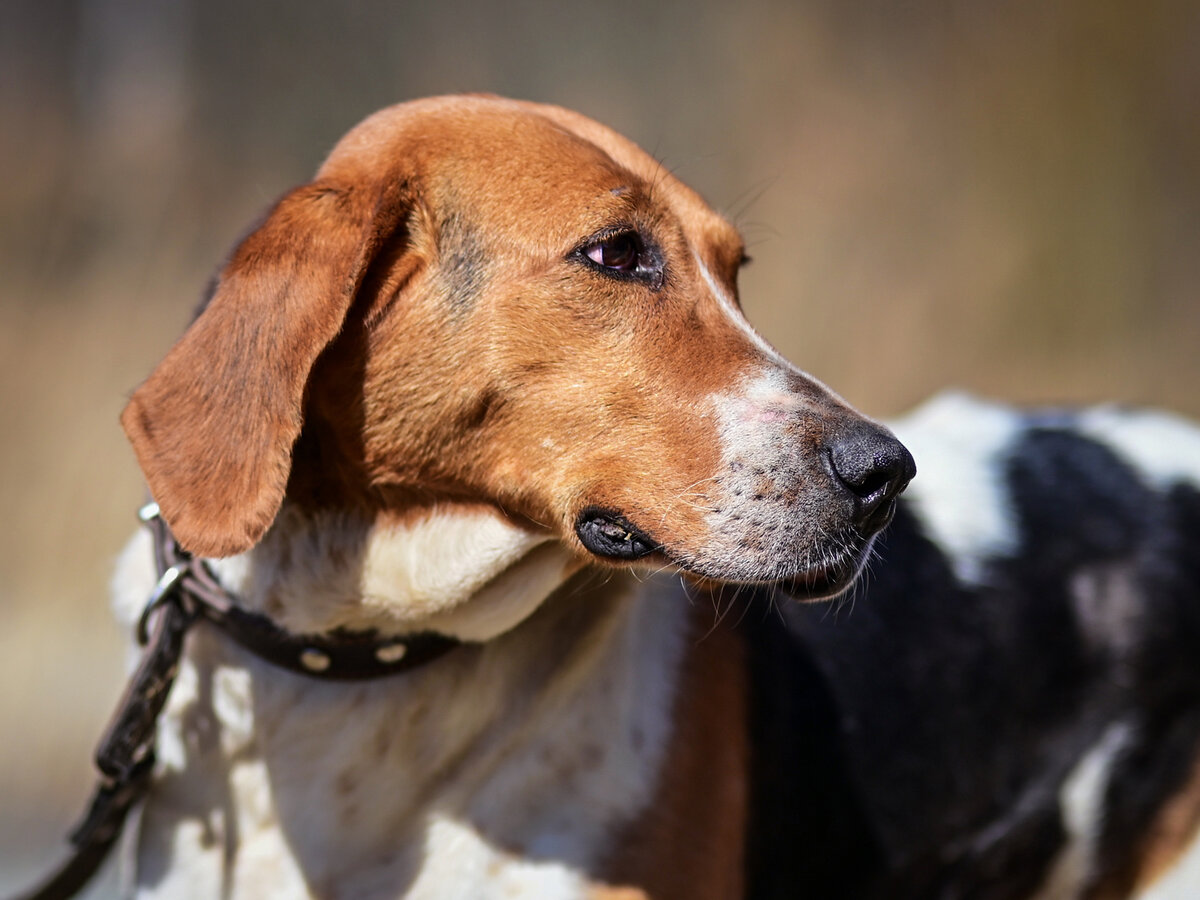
(188, 592)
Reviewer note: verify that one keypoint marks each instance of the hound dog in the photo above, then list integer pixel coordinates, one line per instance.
(486, 376)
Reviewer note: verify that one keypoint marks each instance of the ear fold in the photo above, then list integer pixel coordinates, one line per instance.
(214, 425)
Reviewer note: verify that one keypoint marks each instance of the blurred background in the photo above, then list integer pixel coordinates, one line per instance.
(1001, 197)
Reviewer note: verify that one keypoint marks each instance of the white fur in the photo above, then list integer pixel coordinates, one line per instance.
(1164, 447)
(466, 572)
(751, 426)
(466, 866)
(750, 417)
(1081, 801)
(501, 770)
(956, 441)
(1181, 881)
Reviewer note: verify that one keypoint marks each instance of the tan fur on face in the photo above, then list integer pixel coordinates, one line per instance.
(532, 375)
(418, 326)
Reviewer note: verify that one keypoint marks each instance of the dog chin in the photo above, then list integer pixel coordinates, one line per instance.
(835, 574)
(828, 580)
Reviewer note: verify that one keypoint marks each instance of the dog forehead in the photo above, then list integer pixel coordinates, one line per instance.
(508, 159)
(454, 131)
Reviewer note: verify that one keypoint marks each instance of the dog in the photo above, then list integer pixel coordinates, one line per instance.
(486, 377)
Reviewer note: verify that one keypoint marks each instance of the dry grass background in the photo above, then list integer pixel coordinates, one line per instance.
(1003, 197)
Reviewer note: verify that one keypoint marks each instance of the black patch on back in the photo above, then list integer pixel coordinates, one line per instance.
(939, 732)
(1169, 652)
(1076, 502)
(884, 741)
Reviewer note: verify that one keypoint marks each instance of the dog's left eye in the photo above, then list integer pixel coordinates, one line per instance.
(625, 255)
(621, 252)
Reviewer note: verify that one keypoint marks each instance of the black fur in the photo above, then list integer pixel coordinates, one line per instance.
(916, 739)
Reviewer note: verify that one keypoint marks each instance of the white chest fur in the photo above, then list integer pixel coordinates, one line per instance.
(500, 770)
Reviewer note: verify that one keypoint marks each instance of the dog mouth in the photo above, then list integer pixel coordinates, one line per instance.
(610, 535)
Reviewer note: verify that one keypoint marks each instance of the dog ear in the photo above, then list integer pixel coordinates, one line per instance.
(214, 425)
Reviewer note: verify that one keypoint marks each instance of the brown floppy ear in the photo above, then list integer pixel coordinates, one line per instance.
(214, 425)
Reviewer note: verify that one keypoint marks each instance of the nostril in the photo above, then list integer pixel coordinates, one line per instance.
(877, 481)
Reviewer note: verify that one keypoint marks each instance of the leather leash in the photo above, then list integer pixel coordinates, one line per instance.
(187, 592)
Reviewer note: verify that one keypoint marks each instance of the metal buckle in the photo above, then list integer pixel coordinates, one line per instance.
(168, 583)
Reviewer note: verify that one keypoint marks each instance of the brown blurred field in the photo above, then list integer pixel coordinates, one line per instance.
(1003, 197)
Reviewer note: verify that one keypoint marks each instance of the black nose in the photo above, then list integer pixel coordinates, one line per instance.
(874, 467)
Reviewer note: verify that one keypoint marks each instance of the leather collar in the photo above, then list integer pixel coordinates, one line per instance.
(188, 592)
(337, 656)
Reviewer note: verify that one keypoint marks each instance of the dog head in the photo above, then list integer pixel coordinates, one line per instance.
(487, 303)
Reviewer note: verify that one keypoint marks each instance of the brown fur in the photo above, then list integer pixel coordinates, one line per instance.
(1172, 834)
(691, 841)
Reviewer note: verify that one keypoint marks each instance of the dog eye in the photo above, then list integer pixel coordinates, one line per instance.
(621, 252)
(625, 255)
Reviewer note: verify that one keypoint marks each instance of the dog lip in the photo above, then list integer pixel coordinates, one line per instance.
(609, 535)
(823, 581)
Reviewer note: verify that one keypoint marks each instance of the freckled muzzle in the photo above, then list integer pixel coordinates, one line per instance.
(807, 497)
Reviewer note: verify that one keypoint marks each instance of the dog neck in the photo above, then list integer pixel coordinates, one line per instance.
(466, 572)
